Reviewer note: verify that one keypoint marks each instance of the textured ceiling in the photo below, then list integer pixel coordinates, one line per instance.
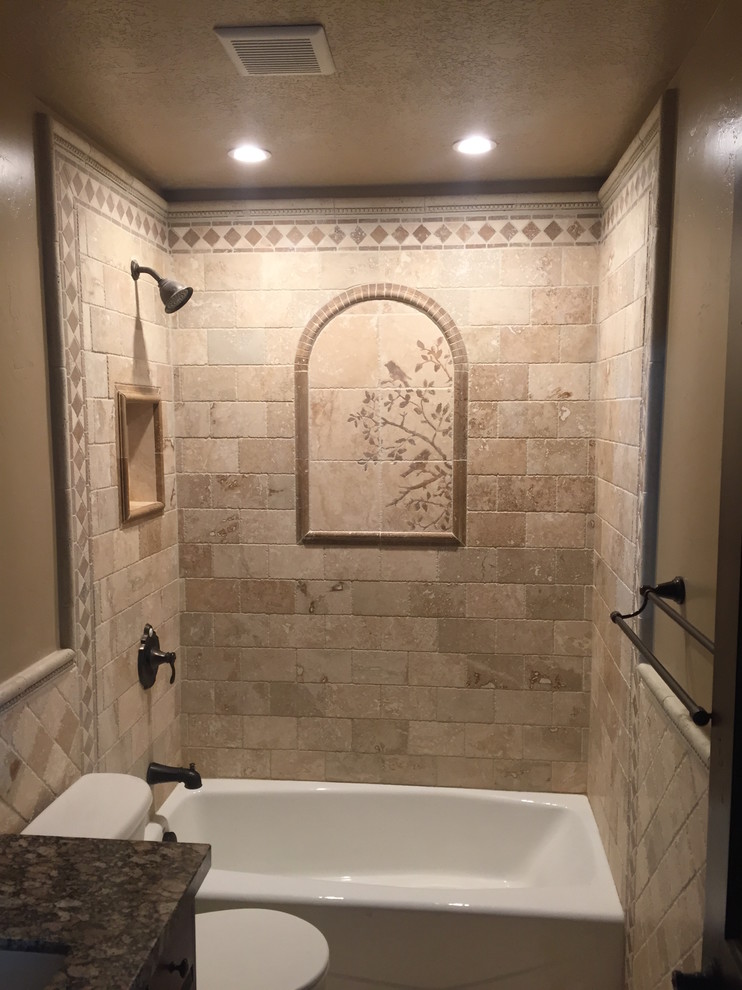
(562, 85)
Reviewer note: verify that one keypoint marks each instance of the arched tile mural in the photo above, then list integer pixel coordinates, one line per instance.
(381, 391)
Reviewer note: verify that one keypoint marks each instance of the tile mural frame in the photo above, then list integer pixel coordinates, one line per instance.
(382, 291)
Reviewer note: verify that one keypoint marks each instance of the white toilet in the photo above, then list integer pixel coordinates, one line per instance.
(242, 949)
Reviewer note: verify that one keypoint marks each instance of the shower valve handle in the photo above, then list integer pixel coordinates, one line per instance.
(151, 657)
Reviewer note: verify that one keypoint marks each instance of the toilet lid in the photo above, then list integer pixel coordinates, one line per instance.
(253, 949)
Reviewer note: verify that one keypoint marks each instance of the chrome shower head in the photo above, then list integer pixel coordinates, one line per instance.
(173, 294)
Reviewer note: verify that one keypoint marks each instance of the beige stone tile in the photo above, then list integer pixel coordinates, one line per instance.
(482, 344)
(576, 419)
(195, 455)
(437, 669)
(457, 771)
(569, 778)
(323, 598)
(268, 596)
(209, 309)
(580, 265)
(212, 595)
(559, 601)
(259, 455)
(325, 734)
(300, 562)
(571, 708)
(526, 494)
(214, 730)
(333, 506)
(436, 739)
(496, 601)
(361, 768)
(551, 743)
(555, 529)
(344, 424)
(237, 560)
(421, 770)
(238, 419)
(497, 529)
(378, 667)
(502, 742)
(490, 456)
(267, 526)
(409, 633)
(531, 266)
(527, 419)
(194, 491)
(465, 705)
(408, 702)
(270, 732)
(561, 305)
(482, 492)
(497, 670)
(209, 526)
(522, 775)
(238, 698)
(526, 565)
(353, 700)
(242, 763)
(496, 382)
(346, 353)
(578, 343)
(416, 496)
(437, 599)
(399, 564)
(523, 708)
(483, 418)
(467, 635)
(401, 332)
(562, 381)
(280, 419)
(267, 664)
(564, 673)
(266, 384)
(323, 666)
(238, 491)
(529, 345)
(575, 494)
(376, 735)
(356, 632)
(467, 564)
(381, 598)
(195, 384)
(497, 306)
(288, 764)
(299, 700)
(525, 636)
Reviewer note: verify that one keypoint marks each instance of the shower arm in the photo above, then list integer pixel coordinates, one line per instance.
(137, 269)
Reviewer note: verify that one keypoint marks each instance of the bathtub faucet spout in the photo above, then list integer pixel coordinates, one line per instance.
(159, 773)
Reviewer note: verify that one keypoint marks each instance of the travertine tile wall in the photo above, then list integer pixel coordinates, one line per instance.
(463, 667)
(647, 786)
(622, 328)
(96, 716)
(669, 840)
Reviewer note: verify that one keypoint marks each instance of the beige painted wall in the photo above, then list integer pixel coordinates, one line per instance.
(28, 598)
(709, 86)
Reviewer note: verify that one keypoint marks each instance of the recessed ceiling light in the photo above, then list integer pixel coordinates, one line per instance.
(249, 153)
(474, 145)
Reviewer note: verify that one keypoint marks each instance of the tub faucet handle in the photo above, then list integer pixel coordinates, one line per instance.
(151, 657)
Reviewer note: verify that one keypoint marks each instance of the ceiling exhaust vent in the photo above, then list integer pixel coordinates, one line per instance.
(286, 50)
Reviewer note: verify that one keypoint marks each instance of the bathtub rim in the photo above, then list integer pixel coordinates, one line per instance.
(598, 898)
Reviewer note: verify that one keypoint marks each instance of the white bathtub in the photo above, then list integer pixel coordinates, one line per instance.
(418, 887)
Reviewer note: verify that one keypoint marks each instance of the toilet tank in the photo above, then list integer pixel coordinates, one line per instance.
(97, 806)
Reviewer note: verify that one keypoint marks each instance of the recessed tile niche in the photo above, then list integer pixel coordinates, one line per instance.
(381, 392)
(141, 472)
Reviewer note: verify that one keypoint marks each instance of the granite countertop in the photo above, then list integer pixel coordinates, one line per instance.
(106, 904)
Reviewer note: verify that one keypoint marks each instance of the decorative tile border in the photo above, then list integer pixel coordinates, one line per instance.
(430, 308)
(379, 227)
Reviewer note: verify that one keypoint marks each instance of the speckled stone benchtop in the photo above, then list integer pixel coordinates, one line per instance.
(106, 904)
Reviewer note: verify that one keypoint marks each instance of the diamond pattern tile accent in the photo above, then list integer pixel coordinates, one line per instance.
(483, 229)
